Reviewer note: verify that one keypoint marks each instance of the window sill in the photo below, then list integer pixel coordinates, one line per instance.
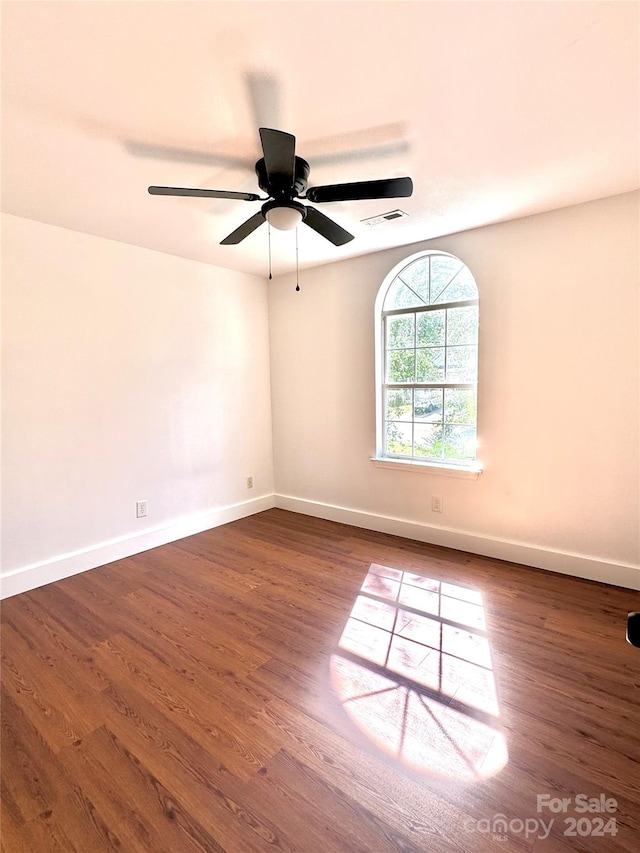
(465, 472)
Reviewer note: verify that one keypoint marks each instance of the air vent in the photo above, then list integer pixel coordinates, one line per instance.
(375, 221)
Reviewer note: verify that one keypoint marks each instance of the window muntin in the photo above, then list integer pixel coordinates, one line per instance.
(429, 362)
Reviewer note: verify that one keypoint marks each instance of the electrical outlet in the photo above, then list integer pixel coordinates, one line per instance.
(249, 482)
(436, 503)
(141, 509)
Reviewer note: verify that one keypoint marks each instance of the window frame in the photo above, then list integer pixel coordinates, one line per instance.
(467, 468)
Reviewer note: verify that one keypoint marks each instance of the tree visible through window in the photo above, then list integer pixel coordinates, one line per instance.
(428, 361)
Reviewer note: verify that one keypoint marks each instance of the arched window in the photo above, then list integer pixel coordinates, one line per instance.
(427, 362)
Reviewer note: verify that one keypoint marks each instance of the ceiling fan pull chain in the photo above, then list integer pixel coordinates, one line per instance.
(269, 238)
(297, 282)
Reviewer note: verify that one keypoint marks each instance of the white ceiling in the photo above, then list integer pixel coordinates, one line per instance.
(496, 110)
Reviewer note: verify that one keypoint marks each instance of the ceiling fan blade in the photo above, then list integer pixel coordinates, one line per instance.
(264, 95)
(326, 227)
(186, 155)
(380, 141)
(182, 191)
(279, 156)
(389, 188)
(369, 152)
(244, 230)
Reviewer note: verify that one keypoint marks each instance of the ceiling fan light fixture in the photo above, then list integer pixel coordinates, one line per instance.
(284, 218)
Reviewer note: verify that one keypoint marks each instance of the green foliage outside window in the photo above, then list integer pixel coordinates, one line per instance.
(438, 347)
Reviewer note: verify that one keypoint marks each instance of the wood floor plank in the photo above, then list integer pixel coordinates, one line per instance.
(286, 683)
(56, 647)
(191, 662)
(32, 777)
(73, 824)
(210, 722)
(288, 785)
(207, 788)
(219, 649)
(132, 802)
(39, 834)
(406, 807)
(84, 624)
(14, 836)
(60, 711)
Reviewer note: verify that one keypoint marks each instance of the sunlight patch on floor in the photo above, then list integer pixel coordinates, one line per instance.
(414, 674)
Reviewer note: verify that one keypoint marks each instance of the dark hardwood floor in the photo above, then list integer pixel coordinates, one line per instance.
(285, 683)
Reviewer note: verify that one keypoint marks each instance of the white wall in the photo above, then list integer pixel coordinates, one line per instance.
(558, 401)
(127, 374)
(130, 374)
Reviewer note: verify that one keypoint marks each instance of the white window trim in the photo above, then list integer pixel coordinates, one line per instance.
(465, 472)
(469, 470)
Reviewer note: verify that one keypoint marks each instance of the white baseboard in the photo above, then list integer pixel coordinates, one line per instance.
(65, 565)
(577, 565)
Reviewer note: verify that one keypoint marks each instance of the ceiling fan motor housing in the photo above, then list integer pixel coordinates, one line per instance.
(279, 187)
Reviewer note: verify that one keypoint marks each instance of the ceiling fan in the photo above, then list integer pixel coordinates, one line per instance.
(283, 176)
